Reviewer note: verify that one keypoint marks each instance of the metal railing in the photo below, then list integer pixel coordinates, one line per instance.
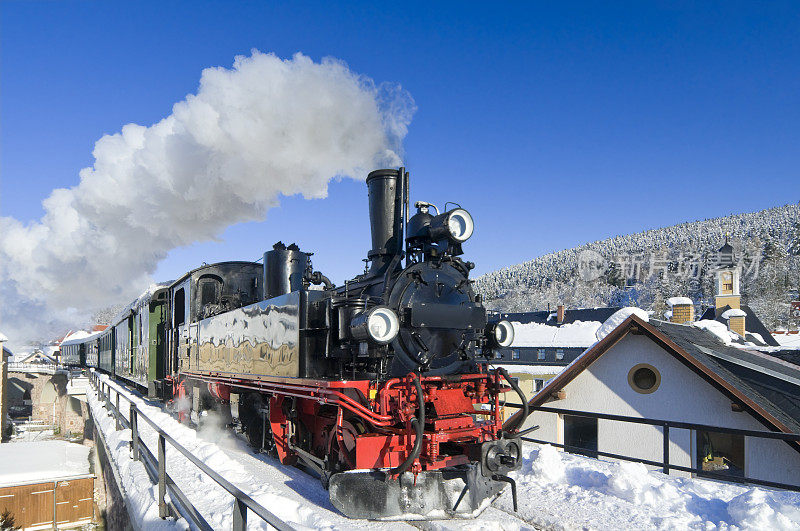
(665, 426)
(156, 468)
(40, 368)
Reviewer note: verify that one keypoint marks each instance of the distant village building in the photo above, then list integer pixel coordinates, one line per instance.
(728, 308)
(37, 389)
(546, 342)
(5, 354)
(683, 373)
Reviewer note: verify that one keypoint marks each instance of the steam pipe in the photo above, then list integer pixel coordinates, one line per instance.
(419, 427)
(315, 277)
(523, 399)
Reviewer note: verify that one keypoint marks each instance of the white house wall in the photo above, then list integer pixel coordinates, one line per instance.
(681, 396)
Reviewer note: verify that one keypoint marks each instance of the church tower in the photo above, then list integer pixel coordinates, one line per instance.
(728, 273)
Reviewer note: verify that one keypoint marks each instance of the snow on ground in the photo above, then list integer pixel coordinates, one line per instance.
(27, 462)
(564, 491)
(291, 494)
(556, 490)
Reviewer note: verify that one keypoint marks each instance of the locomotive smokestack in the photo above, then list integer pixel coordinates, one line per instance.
(386, 204)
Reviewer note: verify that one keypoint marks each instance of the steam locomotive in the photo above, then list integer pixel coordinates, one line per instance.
(380, 386)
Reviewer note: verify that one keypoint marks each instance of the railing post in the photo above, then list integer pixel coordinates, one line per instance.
(119, 413)
(134, 433)
(666, 449)
(239, 515)
(162, 477)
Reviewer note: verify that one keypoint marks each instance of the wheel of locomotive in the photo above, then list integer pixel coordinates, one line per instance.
(202, 401)
(343, 456)
(255, 422)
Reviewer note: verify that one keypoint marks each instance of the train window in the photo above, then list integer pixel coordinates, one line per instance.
(515, 354)
(180, 307)
(208, 291)
(560, 354)
(540, 354)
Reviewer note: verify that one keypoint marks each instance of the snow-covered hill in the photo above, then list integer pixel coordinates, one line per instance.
(646, 268)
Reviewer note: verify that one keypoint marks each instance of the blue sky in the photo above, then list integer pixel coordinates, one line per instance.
(553, 124)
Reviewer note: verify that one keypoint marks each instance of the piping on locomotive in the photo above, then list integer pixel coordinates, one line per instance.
(381, 386)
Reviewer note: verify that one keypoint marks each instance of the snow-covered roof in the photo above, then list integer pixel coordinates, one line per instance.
(80, 336)
(145, 296)
(788, 339)
(578, 334)
(678, 301)
(3, 337)
(733, 312)
(718, 329)
(37, 354)
(30, 462)
(618, 318)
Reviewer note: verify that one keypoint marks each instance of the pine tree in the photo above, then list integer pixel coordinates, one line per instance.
(794, 245)
(613, 276)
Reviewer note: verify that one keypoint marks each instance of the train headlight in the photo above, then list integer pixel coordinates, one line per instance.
(500, 334)
(455, 225)
(460, 225)
(379, 325)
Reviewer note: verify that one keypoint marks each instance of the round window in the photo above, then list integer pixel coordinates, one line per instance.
(644, 378)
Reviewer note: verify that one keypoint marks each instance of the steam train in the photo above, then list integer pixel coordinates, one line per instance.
(380, 386)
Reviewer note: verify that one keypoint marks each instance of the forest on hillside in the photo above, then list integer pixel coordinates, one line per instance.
(646, 268)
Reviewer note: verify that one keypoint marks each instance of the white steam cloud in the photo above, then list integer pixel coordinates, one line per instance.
(264, 128)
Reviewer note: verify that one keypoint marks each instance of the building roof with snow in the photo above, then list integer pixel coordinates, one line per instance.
(550, 318)
(39, 461)
(752, 323)
(539, 339)
(575, 334)
(37, 356)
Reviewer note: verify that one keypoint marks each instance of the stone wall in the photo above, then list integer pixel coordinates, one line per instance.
(48, 401)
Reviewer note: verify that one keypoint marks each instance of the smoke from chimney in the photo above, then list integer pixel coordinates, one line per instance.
(264, 128)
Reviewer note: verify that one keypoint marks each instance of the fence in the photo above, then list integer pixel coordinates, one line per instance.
(666, 425)
(39, 368)
(156, 468)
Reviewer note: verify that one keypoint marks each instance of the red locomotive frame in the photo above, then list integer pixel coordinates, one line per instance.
(368, 424)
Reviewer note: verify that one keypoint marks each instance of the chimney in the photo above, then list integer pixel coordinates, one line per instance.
(735, 318)
(387, 192)
(560, 314)
(681, 309)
